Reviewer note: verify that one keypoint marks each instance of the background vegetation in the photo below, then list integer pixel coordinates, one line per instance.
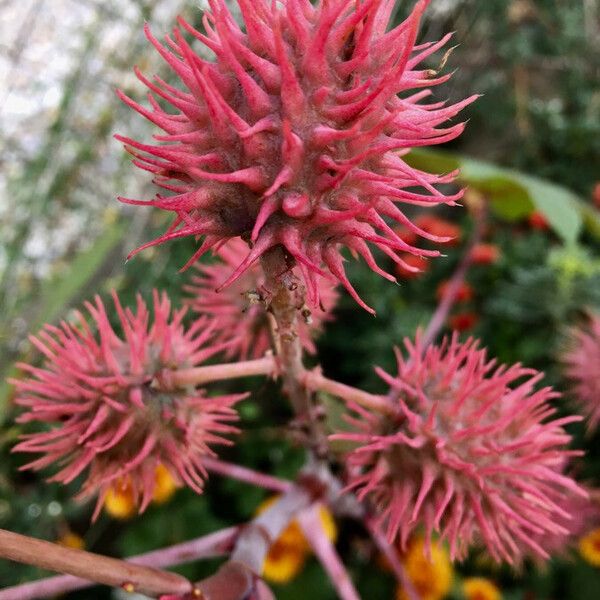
(63, 238)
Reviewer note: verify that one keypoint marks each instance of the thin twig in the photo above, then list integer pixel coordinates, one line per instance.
(94, 567)
(247, 475)
(392, 557)
(451, 291)
(201, 375)
(310, 523)
(315, 380)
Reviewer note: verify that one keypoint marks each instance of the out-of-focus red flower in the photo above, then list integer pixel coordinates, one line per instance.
(412, 266)
(409, 236)
(485, 254)
(113, 410)
(470, 450)
(450, 233)
(538, 221)
(596, 195)
(463, 294)
(295, 135)
(582, 366)
(463, 321)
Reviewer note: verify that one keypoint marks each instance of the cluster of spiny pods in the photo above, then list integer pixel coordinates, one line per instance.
(293, 140)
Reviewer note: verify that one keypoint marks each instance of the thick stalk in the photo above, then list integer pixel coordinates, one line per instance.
(208, 546)
(257, 537)
(286, 301)
(202, 375)
(93, 567)
(239, 577)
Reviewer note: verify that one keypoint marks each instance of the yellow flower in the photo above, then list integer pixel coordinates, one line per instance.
(71, 540)
(120, 501)
(431, 575)
(283, 562)
(480, 588)
(165, 485)
(589, 547)
(288, 553)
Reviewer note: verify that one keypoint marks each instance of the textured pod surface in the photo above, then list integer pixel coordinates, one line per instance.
(243, 320)
(582, 367)
(474, 453)
(294, 136)
(113, 412)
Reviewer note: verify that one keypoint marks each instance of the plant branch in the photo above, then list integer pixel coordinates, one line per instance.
(447, 302)
(93, 567)
(392, 557)
(208, 546)
(201, 375)
(310, 523)
(239, 577)
(257, 537)
(286, 299)
(315, 380)
(247, 475)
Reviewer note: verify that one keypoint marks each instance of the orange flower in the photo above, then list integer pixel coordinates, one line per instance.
(407, 235)
(485, 254)
(463, 321)
(70, 539)
(165, 486)
(120, 501)
(463, 294)
(440, 228)
(288, 553)
(480, 588)
(412, 260)
(431, 574)
(596, 195)
(589, 547)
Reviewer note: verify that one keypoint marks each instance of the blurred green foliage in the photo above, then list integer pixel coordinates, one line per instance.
(537, 65)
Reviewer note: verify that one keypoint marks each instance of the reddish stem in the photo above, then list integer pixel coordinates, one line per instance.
(201, 375)
(208, 546)
(286, 300)
(315, 380)
(392, 557)
(247, 475)
(97, 568)
(313, 530)
(257, 537)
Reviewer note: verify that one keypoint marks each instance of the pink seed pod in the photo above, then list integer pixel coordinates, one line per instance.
(295, 135)
(111, 409)
(474, 453)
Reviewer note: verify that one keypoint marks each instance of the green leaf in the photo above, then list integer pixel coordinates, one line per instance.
(514, 195)
(59, 292)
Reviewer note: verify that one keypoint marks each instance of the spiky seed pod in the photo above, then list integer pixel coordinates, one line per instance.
(582, 366)
(112, 411)
(584, 515)
(239, 308)
(473, 453)
(295, 135)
